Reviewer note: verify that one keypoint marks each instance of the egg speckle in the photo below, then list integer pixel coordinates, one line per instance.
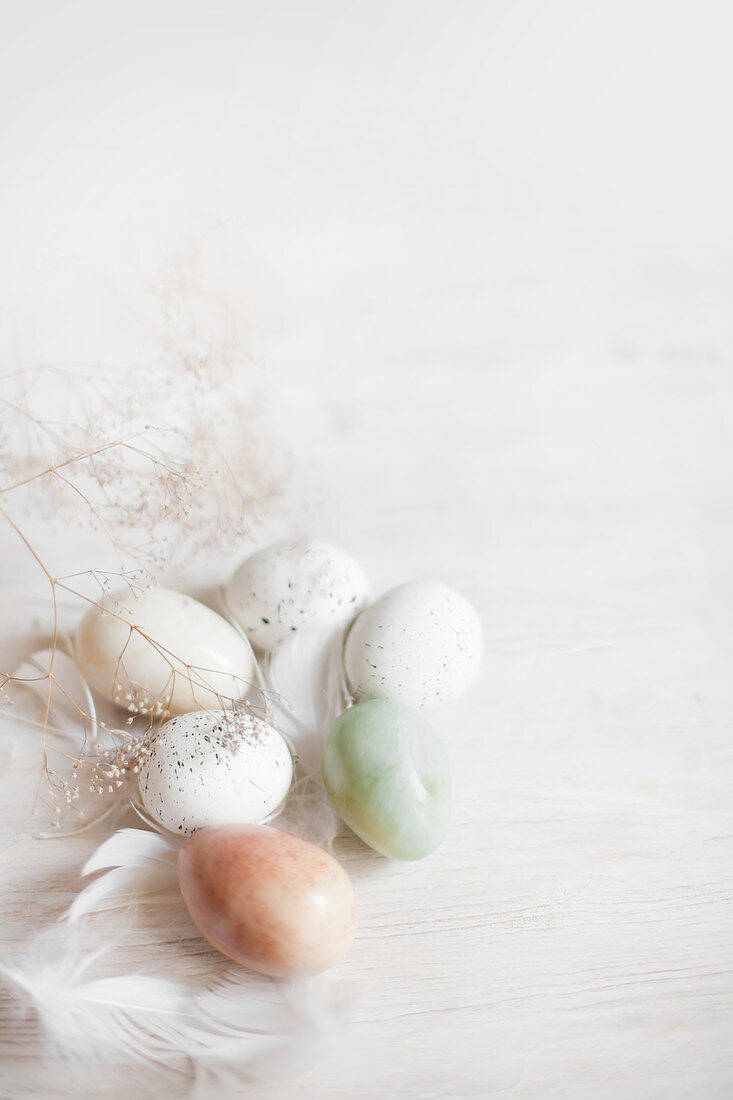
(419, 643)
(214, 768)
(268, 899)
(287, 587)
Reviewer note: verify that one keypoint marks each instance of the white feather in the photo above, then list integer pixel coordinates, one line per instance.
(128, 847)
(243, 1023)
(304, 682)
(64, 705)
(129, 1015)
(55, 700)
(142, 869)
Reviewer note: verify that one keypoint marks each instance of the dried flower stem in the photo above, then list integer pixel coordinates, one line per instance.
(123, 485)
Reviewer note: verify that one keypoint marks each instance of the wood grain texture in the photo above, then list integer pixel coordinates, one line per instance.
(486, 264)
(572, 936)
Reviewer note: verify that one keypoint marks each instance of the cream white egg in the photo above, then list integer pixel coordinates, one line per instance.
(418, 644)
(162, 652)
(214, 768)
(287, 587)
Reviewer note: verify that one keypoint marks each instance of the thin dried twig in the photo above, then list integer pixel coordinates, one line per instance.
(78, 447)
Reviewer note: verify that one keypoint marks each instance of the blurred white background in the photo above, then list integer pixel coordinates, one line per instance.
(441, 204)
(484, 257)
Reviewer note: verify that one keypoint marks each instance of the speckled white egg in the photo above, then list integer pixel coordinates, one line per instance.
(418, 644)
(289, 586)
(214, 768)
(162, 652)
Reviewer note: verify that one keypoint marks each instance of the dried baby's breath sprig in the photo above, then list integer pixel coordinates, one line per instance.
(158, 463)
(89, 782)
(238, 727)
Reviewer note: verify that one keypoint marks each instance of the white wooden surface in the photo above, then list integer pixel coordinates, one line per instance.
(493, 333)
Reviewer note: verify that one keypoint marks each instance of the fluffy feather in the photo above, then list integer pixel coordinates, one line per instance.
(305, 688)
(67, 695)
(141, 866)
(75, 741)
(243, 1023)
(125, 1016)
(129, 847)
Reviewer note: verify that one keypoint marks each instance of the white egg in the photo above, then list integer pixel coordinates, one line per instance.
(289, 586)
(418, 644)
(214, 768)
(162, 652)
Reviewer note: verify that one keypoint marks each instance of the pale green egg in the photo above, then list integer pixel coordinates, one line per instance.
(387, 774)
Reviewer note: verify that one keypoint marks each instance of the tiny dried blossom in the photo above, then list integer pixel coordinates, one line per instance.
(240, 727)
(103, 772)
(80, 448)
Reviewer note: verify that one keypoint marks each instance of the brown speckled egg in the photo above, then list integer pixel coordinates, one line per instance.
(268, 899)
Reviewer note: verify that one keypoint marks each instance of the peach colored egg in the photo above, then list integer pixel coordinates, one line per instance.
(268, 899)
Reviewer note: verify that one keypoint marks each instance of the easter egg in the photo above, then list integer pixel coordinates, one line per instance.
(212, 768)
(387, 774)
(268, 899)
(161, 652)
(418, 644)
(290, 586)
